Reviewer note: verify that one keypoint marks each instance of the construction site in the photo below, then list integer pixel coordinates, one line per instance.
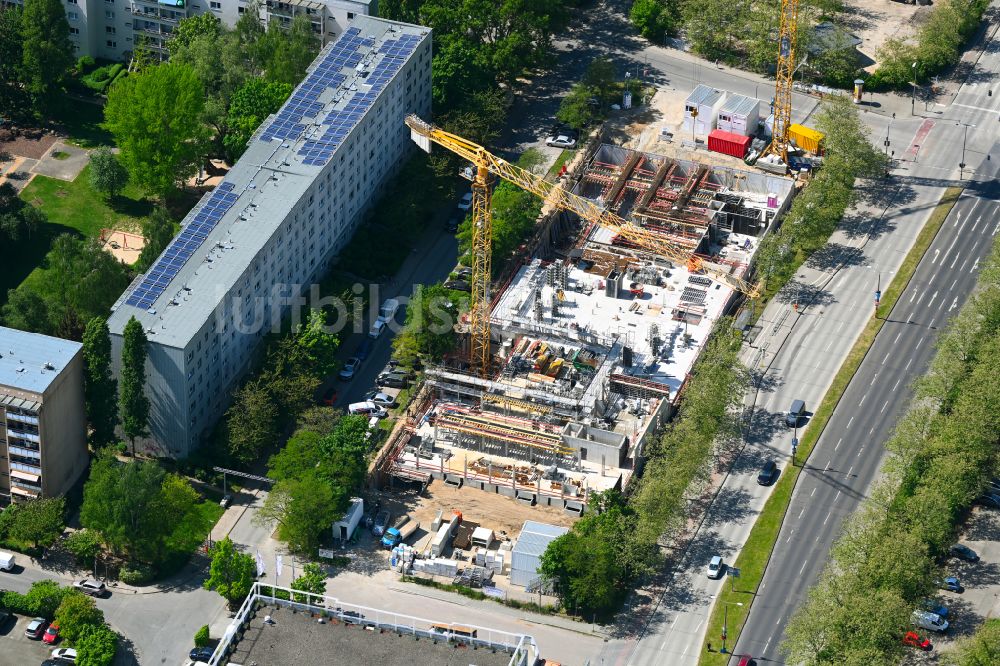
(592, 339)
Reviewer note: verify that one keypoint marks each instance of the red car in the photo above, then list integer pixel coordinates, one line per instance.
(913, 639)
(51, 634)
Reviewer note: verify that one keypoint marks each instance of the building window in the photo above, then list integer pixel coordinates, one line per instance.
(71, 2)
(350, 15)
(217, 6)
(72, 16)
(109, 29)
(109, 14)
(74, 31)
(111, 44)
(240, 10)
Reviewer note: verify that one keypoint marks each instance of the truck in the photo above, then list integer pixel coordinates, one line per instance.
(397, 535)
(381, 522)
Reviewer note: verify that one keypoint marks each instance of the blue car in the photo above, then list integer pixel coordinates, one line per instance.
(933, 606)
(951, 584)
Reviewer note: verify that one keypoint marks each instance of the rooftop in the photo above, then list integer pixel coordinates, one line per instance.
(229, 226)
(536, 537)
(31, 361)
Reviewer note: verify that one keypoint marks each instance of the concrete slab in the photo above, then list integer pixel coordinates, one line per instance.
(62, 161)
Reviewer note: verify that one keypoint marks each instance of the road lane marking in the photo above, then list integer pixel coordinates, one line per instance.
(886, 357)
(952, 287)
(871, 430)
(860, 450)
(840, 326)
(824, 521)
(936, 253)
(876, 374)
(828, 346)
(801, 569)
(920, 299)
(974, 266)
(813, 492)
(919, 342)
(837, 497)
(838, 443)
(930, 325)
(954, 261)
(895, 385)
(849, 423)
(882, 410)
(850, 470)
(962, 267)
(862, 399)
(908, 365)
(978, 220)
(954, 303)
(913, 294)
(932, 299)
(801, 512)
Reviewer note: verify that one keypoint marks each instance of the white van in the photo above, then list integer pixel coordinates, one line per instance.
(366, 407)
(388, 309)
(377, 327)
(6, 561)
(929, 621)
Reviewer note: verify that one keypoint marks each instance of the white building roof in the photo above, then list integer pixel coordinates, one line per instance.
(30, 361)
(703, 94)
(740, 105)
(536, 537)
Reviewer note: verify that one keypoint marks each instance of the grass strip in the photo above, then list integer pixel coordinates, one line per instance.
(564, 157)
(753, 558)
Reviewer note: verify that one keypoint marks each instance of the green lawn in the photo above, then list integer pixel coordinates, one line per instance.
(81, 122)
(564, 157)
(756, 552)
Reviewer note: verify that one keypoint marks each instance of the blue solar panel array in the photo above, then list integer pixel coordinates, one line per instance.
(347, 52)
(191, 237)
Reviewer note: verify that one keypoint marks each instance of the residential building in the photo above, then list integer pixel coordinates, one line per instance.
(43, 426)
(274, 224)
(110, 28)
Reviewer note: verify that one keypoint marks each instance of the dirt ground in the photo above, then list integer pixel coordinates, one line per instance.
(875, 21)
(497, 512)
(124, 245)
(22, 146)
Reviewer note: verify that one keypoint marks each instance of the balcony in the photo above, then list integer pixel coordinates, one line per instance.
(22, 418)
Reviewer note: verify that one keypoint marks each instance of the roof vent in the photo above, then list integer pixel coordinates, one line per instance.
(48, 366)
(20, 369)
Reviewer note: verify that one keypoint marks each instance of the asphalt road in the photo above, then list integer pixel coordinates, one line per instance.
(849, 454)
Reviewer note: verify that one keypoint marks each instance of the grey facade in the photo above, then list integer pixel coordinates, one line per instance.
(527, 554)
(43, 426)
(273, 226)
(110, 28)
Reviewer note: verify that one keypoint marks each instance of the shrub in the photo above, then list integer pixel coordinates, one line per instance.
(84, 64)
(201, 637)
(136, 573)
(84, 545)
(42, 599)
(96, 646)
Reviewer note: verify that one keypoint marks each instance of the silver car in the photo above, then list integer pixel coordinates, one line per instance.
(94, 588)
(715, 567)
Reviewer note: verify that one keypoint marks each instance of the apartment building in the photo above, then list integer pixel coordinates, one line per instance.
(274, 225)
(110, 28)
(43, 427)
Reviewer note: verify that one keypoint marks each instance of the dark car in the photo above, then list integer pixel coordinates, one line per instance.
(951, 584)
(458, 285)
(963, 552)
(768, 473)
(329, 396)
(452, 225)
(201, 654)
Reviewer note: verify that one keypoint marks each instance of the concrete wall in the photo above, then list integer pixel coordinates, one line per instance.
(63, 430)
(593, 444)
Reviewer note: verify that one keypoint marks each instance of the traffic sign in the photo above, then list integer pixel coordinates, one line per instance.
(733, 571)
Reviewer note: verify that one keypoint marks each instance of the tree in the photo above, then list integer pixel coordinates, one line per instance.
(313, 579)
(303, 509)
(96, 646)
(107, 175)
(231, 573)
(251, 422)
(11, 53)
(156, 119)
(77, 612)
(47, 50)
(26, 310)
(44, 597)
(39, 521)
(654, 19)
(318, 345)
(289, 54)
(191, 28)
(575, 108)
(84, 545)
(133, 403)
(250, 105)
(100, 388)
(157, 232)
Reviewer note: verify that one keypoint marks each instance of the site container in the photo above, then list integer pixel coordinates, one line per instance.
(728, 143)
(806, 138)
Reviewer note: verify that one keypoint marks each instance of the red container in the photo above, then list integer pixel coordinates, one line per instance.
(728, 143)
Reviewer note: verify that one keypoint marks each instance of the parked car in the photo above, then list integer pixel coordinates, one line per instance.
(392, 380)
(381, 399)
(951, 584)
(715, 567)
(768, 473)
(202, 654)
(330, 396)
(934, 606)
(352, 365)
(51, 635)
(451, 226)
(367, 407)
(94, 588)
(913, 639)
(991, 500)
(463, 272)
(458, 285)
(36, 628)
(381, 522)
(363, 349)
(378, 326)
(562, 137)
(65, 654)
(4, 616)
(963, 552)
(929, 621)
(746, 660)
(226, 500)
(465, 203)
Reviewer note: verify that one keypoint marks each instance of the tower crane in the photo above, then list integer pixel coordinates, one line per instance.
(486, 163)
(783, 80)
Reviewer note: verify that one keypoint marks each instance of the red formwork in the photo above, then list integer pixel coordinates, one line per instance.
(728, 143)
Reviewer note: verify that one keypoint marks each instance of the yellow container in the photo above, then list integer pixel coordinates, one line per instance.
(806, 138)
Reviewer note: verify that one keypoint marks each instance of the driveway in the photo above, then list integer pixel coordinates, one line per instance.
(62, 161)
(17, 648)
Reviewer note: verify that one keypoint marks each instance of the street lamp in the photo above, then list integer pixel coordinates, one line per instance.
(913, 97)
(725, 622)
(965, 138)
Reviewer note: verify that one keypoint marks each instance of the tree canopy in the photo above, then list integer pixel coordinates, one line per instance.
(47, 51)
(132, 402)
(232, 573)
(156, 119)
(107, 174)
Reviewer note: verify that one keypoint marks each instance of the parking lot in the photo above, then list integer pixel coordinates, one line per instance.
(980, 597)
(16, 648)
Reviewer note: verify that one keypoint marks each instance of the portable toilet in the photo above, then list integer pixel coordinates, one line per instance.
(701, 109)
(739, 115)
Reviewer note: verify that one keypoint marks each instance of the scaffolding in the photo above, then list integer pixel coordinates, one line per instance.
(518, 438)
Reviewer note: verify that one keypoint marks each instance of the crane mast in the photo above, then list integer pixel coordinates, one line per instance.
(486, 163)
(783, 79)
